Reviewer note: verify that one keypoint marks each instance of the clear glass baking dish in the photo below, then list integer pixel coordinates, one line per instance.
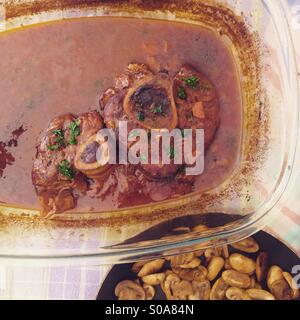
(257, 32)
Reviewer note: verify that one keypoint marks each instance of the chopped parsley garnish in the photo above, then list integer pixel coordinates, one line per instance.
(59, 140)
(192, 82)
(158, 109)
(181, 93)
(74, 131)
(140, 116)
(53, 147)
(66, 170)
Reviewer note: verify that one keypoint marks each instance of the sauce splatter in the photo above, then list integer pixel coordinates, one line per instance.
(6, 157)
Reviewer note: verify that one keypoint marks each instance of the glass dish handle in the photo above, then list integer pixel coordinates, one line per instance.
(295, 12)
(292, 195)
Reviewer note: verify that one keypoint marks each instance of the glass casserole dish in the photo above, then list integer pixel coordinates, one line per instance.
(257, 34)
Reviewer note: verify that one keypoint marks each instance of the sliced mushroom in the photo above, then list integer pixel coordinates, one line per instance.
(184, 274)
(149, 291)
(248, 245)
(293, 285)
(151, 267)
(259, 294)
(182, 290)
(154, 279)
(129, 290)
(192, 264)
(275, 273)
(237, 294)
(136, 267)
(218, 290)
(199, 273)
(236, 279)
(212, 252)
(262, 263)
(182, 259)
(215, 266)
(242, 263)
(201, 290)
(281, 290)
(93, 156)
(177, 289)
(189, 280)
(167, 273)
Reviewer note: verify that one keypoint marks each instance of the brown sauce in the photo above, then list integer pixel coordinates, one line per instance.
(65, 68)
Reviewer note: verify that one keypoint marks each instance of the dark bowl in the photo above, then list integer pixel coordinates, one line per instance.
(279, 254)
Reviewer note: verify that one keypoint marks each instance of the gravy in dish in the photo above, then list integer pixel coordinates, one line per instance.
(61, 68)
